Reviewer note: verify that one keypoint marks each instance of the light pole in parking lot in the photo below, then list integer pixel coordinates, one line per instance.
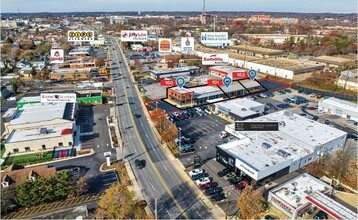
(227, 200)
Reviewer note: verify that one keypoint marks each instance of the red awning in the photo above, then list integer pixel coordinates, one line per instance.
(66, 131)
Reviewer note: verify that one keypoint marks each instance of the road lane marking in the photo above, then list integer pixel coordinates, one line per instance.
(169, 213)
(198, 214)
(150, 160)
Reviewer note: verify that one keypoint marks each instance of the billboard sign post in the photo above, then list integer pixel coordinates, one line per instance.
(165, 45)
(57, 56)
(134, 36)
(80, 36)
(215, 59)
(217, 38)
(58, 97)
(187, 44)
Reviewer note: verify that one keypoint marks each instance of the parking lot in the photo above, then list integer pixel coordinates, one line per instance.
(204, 131)
(94, 128)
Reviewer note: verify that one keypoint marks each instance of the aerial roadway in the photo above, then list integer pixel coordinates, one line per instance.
(158, 180)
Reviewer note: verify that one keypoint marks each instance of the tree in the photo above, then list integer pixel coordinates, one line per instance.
(350, 176)
(6, 200)
(41, 190)
(14, 84)
(250, 203)
(119, 203)
(9, 40)
(81, 186)
(340, 162)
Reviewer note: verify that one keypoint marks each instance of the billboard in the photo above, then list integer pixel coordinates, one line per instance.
(57, 56)
(165, 45)
(187, 44)
(134, 36)
(58, 97)
(214, 38)
(215, 59)
(80, 36)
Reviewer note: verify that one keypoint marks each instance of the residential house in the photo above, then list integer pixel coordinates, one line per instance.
(14, 175)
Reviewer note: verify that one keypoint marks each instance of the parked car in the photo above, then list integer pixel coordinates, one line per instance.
(207, 111)
(224, 172)
(203, 180)
(218, 197)
(326, 122)
(241, 185)
(208, 185)
(139, 164)
(199, 175)
(312, 108)
(228, 176)
(195, 171)
(213, 190)
(315, 118)
(223, 134)
(287, 90)
(321, 215)
(235, 180)
(313, 95)
(303, 115)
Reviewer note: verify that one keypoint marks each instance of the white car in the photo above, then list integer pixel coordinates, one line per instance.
(203, 180)
(195, 171)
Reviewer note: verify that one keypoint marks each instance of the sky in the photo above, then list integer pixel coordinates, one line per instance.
(308, 6)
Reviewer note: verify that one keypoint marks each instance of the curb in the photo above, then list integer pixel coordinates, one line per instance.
(105, 171)
(55, 161)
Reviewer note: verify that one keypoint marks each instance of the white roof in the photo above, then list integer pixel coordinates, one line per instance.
(20, 135)
(204, 89)
(298, 128)
(37, 112)
(30, 99)
(241, 107)
(298, 188)
(340, 104)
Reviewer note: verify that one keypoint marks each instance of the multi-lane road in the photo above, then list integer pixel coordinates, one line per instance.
(159, 182)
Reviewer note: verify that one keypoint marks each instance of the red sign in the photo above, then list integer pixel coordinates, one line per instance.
(105, 60)
(215, 82)
(164, 82)
(240, 75)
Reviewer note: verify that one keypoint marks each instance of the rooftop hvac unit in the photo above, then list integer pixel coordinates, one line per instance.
(287, 192)
(266, 145)
(282, 123)
(297, 199)
(43, 130)
(288, 113)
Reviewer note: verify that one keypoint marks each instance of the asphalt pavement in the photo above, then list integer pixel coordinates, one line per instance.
(159, 181)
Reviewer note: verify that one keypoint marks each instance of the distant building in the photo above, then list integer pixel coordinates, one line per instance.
(223, 71)
(118, 20)
(154, 30)
(70, 74)
(260, 18)
(339, 107)
(349, 79)
(173, 72)
(14, 175)
(332, 62)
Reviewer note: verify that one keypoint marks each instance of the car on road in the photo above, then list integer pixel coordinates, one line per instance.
(213, 190)
(195, 171)
(224, 172)
(228, 176)
(218, 197)
(202, 181)
(139, 164)
(199, 175)
(208, 185)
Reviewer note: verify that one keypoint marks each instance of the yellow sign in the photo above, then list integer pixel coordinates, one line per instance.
(76, 36)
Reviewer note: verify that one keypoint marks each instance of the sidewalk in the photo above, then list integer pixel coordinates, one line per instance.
(213, 208)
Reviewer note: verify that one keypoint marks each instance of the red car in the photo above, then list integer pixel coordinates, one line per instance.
(312, 108)
(208, 185)
(241, 185)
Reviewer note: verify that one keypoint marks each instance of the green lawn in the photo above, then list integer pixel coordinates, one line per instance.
(28, 159)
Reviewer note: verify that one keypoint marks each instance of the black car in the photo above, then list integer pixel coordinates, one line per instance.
(223, 172)
(212, 191)
(235, 180)
(218, 197)
(199, 175)
(315, 118)
(287, 90)
(139, 164)
(321, 215)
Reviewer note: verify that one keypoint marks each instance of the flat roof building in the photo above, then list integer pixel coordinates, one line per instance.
(272, 154)
(239, 109)
(173, 72)
(222, 71)
(291, 197)
(339, 107)
(257, 51)
(331, 61)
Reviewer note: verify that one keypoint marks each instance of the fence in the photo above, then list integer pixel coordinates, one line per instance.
(325, 93)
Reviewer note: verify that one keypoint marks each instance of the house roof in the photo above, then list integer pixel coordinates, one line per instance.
(16, 174)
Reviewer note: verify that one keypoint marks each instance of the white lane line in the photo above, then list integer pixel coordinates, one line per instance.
(153, 186)
(169, 213)
(198, 213)
(165, 167)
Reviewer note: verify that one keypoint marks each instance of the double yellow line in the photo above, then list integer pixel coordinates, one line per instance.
(146, 152)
